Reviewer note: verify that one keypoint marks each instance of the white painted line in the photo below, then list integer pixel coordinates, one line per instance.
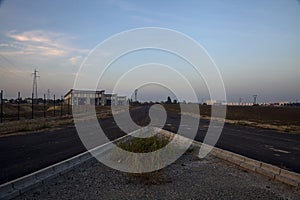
(279, 150)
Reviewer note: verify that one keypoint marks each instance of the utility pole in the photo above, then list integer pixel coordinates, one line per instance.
(68, 106)
(61, 105)
(19, 99)
(240, 101)
(48, 95)
(32, 105)
(54, 105)
(1, 112)
(135, 95)
(44, 105)
(34, 84)
(254, 99)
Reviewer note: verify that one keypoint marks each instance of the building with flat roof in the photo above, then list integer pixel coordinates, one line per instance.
(89, 97)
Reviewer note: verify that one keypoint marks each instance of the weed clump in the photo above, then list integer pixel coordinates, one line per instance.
(143, 145)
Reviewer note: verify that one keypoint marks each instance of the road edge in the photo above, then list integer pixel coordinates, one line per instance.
(20, 185)
(271, 171)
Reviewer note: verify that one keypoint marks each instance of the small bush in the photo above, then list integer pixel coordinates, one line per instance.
(143, 145)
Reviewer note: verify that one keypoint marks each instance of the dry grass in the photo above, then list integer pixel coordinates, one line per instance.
(40, 123)
(143, 145)
(29, 125)
(57, 108)
(11, 111)
(284, 119)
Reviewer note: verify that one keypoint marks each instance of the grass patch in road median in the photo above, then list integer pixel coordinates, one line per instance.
(143, 145)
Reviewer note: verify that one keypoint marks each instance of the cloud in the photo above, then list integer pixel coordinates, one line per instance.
(40, 42)
(49, 51)
(4, 45)
(36, 36)
(75, 60)
(31, 37)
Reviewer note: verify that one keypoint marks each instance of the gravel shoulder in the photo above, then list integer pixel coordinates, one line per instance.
(187, 178)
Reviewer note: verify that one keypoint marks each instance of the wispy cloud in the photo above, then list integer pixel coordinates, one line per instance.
(4, 45)
(75, 60)
(33, 36)
(39, 42)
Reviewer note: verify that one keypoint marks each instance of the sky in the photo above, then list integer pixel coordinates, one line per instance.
(255, 44)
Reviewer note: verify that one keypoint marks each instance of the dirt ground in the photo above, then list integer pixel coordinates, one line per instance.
(187, 178)
(285, 119)
(262, 114)
(26, 124)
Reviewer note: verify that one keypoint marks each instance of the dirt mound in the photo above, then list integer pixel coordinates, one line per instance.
(58, 108)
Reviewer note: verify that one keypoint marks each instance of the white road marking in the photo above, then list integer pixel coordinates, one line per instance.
(279, 150)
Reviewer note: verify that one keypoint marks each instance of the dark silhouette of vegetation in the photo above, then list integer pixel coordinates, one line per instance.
(169, 101)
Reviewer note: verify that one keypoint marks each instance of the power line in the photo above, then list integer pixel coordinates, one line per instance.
(12, 66)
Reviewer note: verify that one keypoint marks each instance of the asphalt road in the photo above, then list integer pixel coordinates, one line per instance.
(26, 153)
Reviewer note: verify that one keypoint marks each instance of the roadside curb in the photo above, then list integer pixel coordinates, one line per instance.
(271, 171)
(20, 185)
(268, 170)
(265, 169)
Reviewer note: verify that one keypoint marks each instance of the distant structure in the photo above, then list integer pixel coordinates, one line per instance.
(135, 95)
(254, 99)
(202, 100)
(210, 102)
(238, 103)
(89, 97)
(34, 84)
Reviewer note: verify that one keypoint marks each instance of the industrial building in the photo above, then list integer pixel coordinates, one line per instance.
(89, 97)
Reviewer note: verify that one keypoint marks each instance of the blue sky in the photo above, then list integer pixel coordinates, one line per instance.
(255, 44)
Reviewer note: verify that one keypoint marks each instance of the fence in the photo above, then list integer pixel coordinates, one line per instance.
(31, 108)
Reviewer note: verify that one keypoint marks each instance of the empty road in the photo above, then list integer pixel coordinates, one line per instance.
(25, 153)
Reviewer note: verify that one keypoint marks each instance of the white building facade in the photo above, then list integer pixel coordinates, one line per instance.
(89, 97)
